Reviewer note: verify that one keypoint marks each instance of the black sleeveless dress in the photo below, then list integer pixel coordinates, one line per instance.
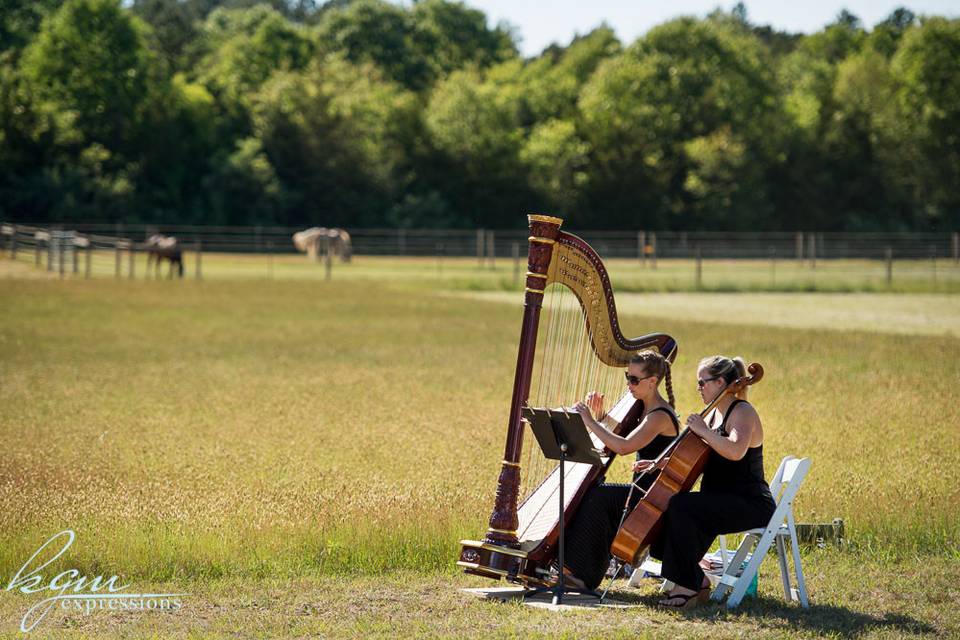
(595, 525)
(733, 497)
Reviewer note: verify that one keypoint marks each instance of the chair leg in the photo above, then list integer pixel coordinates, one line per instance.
(784, 569)
(729, 576)
(798, 569)
(740, 587)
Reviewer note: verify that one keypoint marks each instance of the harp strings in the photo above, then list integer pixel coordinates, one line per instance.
(566, 368)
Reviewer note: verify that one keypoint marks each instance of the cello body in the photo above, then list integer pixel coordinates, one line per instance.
(643, 525)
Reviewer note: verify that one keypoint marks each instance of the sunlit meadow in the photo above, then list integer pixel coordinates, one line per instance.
(255, 429)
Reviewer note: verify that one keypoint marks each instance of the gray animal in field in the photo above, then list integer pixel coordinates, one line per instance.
(312, 241)
(159, 247)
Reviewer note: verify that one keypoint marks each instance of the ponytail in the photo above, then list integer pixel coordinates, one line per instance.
(730, 369)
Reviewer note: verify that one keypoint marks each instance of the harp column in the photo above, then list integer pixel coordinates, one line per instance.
(502, 528)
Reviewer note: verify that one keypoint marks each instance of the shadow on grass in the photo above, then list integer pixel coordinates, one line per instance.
(776, 613)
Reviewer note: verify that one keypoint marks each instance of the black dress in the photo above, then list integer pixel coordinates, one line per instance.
(733, 497)
(591, 532)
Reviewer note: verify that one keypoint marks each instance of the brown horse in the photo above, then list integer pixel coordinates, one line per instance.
(159, 248)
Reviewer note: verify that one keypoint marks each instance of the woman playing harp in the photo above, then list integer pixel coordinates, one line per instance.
(589, 535)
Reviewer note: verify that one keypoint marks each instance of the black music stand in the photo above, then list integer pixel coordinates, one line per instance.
(562, 436)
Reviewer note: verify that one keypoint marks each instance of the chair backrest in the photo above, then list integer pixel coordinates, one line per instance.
(789, 477)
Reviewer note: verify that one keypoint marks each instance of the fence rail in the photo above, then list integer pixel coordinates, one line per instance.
(502, 243)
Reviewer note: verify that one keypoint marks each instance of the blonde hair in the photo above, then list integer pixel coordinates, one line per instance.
(656, 364)
(729, 369)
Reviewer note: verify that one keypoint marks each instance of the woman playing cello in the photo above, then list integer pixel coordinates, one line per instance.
(733, 496)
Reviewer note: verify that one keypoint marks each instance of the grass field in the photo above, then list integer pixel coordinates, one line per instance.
(303, 456)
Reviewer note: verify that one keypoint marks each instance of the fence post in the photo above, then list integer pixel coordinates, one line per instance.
(956, 247)
(13, 241)
(653, 250)
(50, 250)
(480, 242)
(491, 250)
(933, 263)
(772, 250)
(270, 259)
(799, 242)
(698, 282)
(642, 247)
(888, 256)
(515, 254)
(812, 250)
(132, 259)
(61, 257)
(197, 259)
(116, 250)
(76, 258)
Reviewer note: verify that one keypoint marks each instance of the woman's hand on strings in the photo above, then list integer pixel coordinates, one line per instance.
(594, 400)
(641, 466)
(584, 412)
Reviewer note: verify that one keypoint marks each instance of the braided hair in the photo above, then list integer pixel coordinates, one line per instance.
(656, 364)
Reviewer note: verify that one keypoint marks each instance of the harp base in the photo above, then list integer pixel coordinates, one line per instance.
(496, 562)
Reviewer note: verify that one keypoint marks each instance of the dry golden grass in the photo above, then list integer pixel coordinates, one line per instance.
(231, 428)
(233, 435)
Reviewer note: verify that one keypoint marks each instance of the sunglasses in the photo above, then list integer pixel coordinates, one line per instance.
(701, 383)
(634, 380)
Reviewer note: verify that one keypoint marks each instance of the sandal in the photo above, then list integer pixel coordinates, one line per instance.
(689, 601)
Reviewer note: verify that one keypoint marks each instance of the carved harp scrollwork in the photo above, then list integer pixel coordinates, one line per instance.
(570, 342)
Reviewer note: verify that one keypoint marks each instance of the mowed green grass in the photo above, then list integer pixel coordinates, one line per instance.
(257, 430)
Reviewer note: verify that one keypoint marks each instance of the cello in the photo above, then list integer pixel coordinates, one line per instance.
(688, 455)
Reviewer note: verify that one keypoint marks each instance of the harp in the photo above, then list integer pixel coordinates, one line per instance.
(579, 348)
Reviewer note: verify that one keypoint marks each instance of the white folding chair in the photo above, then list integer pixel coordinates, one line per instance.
(786, 482)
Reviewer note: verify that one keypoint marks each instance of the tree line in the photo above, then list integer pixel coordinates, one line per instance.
(362, 113)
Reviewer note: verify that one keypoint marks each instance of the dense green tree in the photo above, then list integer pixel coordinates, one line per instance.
(173, 28)
(415, 47)
(89, 64)
(655, 115)
(450, 35)
(369, 112)
(334, 136)
(246, 46)
(556, 160)
(554, 80)
(886, 35)
(19, 22)
(474, 125)
(926, 68)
